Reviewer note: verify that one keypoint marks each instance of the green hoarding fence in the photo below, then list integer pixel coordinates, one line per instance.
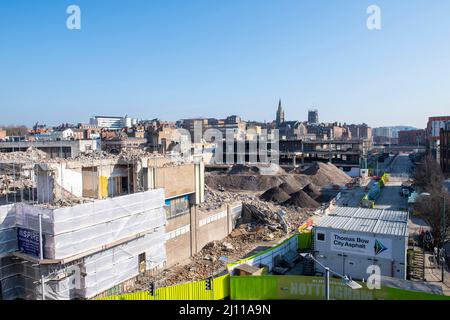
(312, 288)
(305, 240)
(186, 291)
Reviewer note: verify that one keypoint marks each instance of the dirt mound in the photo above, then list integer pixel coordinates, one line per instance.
(313, 191)
(276, 195)
(255, 182)
(243, 169)
(301, 199)
(324, 174)
(261, 169)
(255, 178)
(286, 187)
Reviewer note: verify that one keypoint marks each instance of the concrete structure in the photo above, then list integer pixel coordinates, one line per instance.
(348, 155)
(349, 240)
(107, 223)
(118, 144)
(64, 148)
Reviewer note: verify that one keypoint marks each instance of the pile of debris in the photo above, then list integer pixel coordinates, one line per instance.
(260, 169)
(212, 259)
(323, 174)
(275, 194)
(260, 178)
(9, 183)
(28, 156)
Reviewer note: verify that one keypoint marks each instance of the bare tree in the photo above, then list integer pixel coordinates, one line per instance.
(429, 178)
(428, 175)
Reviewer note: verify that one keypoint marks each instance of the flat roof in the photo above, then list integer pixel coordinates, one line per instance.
(379, 221)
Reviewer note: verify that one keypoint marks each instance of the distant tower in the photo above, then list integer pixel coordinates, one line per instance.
(313, 116)
(280, 114)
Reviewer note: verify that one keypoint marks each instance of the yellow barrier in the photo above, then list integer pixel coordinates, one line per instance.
(186, 291)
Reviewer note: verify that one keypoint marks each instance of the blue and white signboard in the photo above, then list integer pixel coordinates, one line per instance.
(29, 242)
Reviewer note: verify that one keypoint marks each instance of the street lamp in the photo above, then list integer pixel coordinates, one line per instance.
(345, 279)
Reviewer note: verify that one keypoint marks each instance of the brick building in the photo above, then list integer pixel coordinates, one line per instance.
(411, 137)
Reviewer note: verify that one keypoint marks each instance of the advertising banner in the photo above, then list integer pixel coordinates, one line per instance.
(361, 245)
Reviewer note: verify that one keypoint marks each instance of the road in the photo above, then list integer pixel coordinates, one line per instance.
(390, 197)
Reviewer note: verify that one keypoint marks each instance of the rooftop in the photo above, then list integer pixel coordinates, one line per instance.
(380, 221)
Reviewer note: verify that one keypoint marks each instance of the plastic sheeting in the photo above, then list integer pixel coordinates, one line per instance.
(76, 230)
(111, 267)
(73, 230)
(8, 233)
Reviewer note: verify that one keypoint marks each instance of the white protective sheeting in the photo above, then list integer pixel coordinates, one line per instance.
(138, 220)
(8, 233)
(111, 267)
(73, 230)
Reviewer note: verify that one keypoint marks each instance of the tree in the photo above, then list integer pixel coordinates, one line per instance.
(13, 130)
(428, 175)
(429, 178)
(431, 208)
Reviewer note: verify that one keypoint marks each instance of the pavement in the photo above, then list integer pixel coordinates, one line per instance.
(433, 274)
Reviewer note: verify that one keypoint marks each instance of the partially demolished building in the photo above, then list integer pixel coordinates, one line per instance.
(97, 222)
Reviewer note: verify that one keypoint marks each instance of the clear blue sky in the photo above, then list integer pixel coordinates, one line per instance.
(173, 59)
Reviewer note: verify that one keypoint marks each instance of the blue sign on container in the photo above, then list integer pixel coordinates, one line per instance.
(29, 242)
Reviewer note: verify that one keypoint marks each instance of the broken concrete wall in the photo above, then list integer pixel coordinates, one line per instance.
(176, 180)
(217, 224)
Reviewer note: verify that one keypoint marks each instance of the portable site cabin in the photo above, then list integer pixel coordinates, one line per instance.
(349, 240)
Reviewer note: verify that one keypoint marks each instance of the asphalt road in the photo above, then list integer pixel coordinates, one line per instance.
(390, 197)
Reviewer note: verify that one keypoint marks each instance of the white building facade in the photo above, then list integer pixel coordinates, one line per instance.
(350, 240)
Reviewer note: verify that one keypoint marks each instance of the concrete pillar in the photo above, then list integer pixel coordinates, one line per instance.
(229, 220)
(199, 183)
(193, 221)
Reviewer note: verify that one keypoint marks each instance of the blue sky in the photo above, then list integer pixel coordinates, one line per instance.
(174, 59)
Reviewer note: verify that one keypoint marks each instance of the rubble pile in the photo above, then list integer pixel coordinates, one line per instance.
(9, 183)
(31, 155)
(260, 179)
(313, 191)
(275, 194)
(260, 169)
(210, 260)
(301, 199)
(324, 174)
(94, 155)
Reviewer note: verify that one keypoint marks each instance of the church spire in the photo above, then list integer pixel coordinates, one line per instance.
(280, 114)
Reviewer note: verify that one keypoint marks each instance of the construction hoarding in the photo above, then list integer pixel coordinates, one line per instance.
(312, 288)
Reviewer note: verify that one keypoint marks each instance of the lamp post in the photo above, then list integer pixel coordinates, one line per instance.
(345, 279)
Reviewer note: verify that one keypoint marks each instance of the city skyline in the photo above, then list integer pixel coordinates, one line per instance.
(175, 60)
